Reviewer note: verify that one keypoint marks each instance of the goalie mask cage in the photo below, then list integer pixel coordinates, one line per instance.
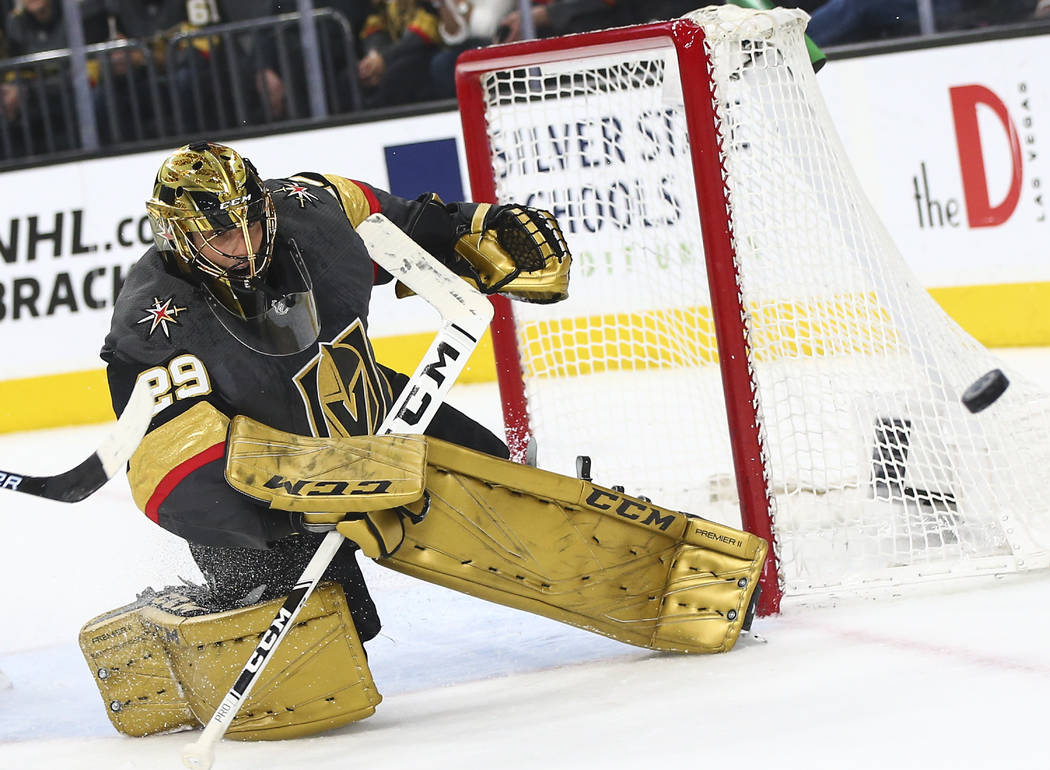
(742, 337)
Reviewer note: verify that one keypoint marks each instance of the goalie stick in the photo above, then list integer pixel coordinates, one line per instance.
(113, 453)
(465, 314)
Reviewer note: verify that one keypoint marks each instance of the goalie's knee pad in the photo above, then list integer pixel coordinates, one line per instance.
(165, 663)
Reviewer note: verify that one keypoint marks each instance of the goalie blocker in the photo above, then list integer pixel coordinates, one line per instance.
(554, 545)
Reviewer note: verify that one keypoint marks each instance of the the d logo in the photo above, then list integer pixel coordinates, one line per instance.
(979, 210)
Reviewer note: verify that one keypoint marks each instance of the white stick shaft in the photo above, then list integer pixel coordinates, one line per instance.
(200, 753)
(465, 312)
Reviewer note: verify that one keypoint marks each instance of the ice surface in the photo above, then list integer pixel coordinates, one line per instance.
(954, 676)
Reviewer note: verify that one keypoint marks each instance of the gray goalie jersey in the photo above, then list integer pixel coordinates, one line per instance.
(200, 375)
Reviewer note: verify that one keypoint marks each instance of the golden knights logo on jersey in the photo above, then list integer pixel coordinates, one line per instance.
(344, 391)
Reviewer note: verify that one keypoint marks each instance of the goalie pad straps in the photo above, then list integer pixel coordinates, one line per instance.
(163, 663)
(518, 251)
(378, 534)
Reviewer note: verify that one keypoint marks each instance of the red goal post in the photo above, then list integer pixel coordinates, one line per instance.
(709, 174)
(742, 339)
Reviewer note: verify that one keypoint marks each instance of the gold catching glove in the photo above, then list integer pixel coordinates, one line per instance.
(517, 251)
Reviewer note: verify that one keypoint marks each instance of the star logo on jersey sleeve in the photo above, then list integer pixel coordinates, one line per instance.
(299, 192)
(160, 315)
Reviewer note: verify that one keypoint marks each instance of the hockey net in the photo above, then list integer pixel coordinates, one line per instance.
(743, 340)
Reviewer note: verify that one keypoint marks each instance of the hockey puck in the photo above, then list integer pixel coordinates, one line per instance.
(985, 390)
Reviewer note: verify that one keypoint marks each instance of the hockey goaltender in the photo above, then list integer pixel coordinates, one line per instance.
(247, 319)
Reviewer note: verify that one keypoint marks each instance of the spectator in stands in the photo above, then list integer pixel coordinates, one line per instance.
(8, 90)
(354, 11)
(270, 83)
(991, 12)
(557, 17)
(153, 23)
(399, 40)
(1042, 10)
(838, 22)
(481, 20)
(32, 27)
(38, 25)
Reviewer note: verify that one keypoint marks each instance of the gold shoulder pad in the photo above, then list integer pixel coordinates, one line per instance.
(355, 203)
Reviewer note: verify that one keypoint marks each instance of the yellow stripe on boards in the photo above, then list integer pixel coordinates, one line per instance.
(1004, 315)
(1007, 315)
(55, 400)
(405, 351)
(82, 398)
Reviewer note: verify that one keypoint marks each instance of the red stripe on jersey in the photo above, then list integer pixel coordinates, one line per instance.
(177, 474)
(373, 208)
(373, 201)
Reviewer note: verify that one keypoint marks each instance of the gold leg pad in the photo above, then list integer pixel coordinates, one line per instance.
(582, 554)
(164, 663)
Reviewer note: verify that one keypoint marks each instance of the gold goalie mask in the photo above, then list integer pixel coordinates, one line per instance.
(214, 224)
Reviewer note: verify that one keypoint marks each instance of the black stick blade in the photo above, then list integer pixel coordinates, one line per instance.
(113, 453)
(69, 487)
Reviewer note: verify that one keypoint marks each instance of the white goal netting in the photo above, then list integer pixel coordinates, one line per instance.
(876, 472)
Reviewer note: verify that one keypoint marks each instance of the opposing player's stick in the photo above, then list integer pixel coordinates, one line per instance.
(465, 313)
(74, 485)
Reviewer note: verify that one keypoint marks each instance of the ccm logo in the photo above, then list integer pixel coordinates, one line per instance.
(266, 644)
(268, 641)
(304, 488)
(169, 634)
(235, 202)
(419, 394)
(629, 509)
